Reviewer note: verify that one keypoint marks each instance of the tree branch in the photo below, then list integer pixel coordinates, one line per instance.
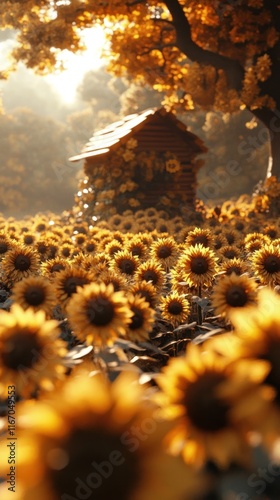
(184, 42)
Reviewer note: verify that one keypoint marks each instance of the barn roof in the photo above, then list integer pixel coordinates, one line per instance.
(155, 128)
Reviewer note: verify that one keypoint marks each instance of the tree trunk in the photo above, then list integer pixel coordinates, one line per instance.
(271, 120)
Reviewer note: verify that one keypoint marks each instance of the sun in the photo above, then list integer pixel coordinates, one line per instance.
(65, 82)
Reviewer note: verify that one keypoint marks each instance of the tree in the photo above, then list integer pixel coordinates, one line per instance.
(35, 175)
(214, 54)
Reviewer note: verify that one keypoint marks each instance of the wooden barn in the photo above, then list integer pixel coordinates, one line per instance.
(148, 159)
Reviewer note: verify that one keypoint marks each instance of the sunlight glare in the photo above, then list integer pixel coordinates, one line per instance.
(66, 82)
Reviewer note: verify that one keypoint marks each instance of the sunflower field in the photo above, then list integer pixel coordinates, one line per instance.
(140, 355)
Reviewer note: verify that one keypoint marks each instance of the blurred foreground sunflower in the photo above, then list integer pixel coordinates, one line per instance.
(259, 336)
(31, 353)
(95, 440)
(210, 399)
(98, 314)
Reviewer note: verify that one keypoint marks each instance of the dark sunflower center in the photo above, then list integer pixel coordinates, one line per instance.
(40, 227)
(199, 265)
(71, 283)
(230, 254)
(65, 252)
(230, 238)
(272, 264)
(272, 233)
(35, 295)
(202, 239)
(28, 239)
(175, 307)
(21, 351)
(127, 266)
(57, 267)
(204, 409)
(22, 262)
(3, 247)
(114, 249)
(115, 283)
(42, 248)
(137, 319)
(100, 311)
(80, 240)
(151, 275)
(98, 466)
(273, 378)
(236, 296)
(90, 247)
(147, 296)
(218, 244)
(164, 251)
(233, 269)
(138, 251)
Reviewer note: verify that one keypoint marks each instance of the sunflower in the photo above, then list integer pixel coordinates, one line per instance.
(151, 271)
(90, 246)
(113, 247)
(234, 292)
(125, 263)
(229, 252)
(142, 319)
(42, 248)
(253, 246)
(65, 250)
(28, 238)
(19, 262)
(164, 251)
(6, 244)
(210, 399)
(53, 266)
(97, 314)
(92, 439)
(35, 292)
(147, 291)
(66, 283)
(31, 354)
(200, 236)
(79, 239)
(236, 265)
(232, 236)
(266, 264)
(272, 230)
(137, 247)
(175, 308)
(255, 236)
(128, 225)
(197, 266)
(219, 241)
(259, 336)
(115, 278)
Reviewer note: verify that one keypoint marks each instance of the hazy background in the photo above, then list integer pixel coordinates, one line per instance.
(45, 120)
